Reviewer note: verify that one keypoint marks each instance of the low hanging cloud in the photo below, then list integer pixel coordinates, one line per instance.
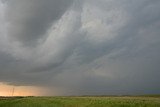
(81, 47)
(32, 18)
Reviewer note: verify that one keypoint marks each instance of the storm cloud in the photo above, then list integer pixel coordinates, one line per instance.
(81, 47)
(32, 18)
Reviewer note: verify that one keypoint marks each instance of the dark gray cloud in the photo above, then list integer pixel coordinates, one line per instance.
(81, 47)
(33, 18)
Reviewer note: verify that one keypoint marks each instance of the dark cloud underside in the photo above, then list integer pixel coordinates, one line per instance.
(30, 19)
(81, 47)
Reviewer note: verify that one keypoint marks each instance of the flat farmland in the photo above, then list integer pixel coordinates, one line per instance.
(124, 101)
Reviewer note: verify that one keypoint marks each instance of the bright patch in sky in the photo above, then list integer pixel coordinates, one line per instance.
(10, 90)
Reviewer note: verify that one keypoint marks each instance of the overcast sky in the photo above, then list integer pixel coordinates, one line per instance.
(81, 47)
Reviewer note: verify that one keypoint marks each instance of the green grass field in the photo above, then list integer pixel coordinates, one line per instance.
(141, 101)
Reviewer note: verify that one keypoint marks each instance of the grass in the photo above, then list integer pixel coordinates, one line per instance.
(137, 101)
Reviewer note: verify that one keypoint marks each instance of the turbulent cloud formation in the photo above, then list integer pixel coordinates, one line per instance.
(32, 18)
(81, 47)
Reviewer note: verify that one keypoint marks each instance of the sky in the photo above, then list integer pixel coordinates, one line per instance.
(79, 47)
